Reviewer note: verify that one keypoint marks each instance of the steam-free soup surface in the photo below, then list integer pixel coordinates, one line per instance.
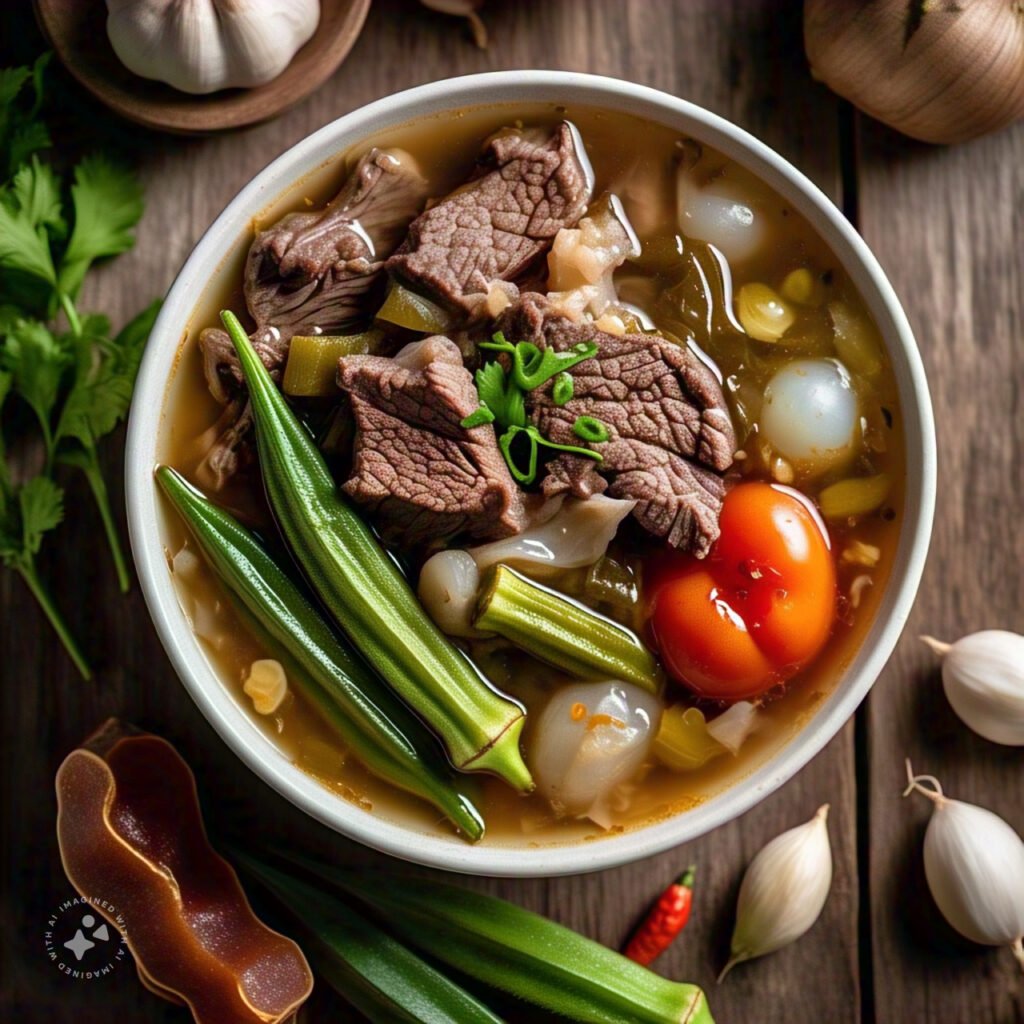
(677, 194)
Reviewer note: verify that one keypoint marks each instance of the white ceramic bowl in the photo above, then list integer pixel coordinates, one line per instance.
(145, 512)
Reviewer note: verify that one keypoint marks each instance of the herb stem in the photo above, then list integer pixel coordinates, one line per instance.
(91, 467)
(71, 313)
(32, 581)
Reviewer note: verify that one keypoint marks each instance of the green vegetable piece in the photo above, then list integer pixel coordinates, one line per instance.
(367, 595)
(27, 513)
(498, 343)
(532, 368)
(520, 952)
(312, 367)
(98, 400)
(383, 979)
(562, 632)
(563, 388)
(536, 441)
(498, 392)
(406, 308)
(108, 204)
(477, 418)
(22, 132)
(590, 428)
(683, 742)
(370, 720)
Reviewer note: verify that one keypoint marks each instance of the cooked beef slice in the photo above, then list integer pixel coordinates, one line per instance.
(314, 269)
(311, 270)
(494, 227)
(670, 435)
(416, 469)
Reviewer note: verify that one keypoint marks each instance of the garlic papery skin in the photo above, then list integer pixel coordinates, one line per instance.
(200, 46)
(783, 891)
(940, 72)
(974, 864)
(983, 676)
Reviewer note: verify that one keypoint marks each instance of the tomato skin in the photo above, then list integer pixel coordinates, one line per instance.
(759, 608)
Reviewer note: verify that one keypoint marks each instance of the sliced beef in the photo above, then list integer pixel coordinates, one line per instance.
(416, 469)
(493, 228)
(312, 270)
(670, 436)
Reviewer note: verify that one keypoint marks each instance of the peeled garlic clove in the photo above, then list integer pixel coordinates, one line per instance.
(783, 891)
(983, 676)
(974, 863)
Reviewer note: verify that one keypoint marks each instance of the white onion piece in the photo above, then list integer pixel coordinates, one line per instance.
(732, 727)
(810, 413)
(185, 563)
(577, 535)
(449, 582)
(578, 758)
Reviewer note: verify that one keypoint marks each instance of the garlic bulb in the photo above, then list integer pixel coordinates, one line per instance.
(983, 676)
(200, 46)
(974, 863)
(937, 72)
(783, 891)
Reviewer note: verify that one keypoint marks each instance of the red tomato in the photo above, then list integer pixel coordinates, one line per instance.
(758, 608)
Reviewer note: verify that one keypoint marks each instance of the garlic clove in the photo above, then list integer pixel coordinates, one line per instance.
(983, 677)
(974, 864)
(783, 891)
(200, 46)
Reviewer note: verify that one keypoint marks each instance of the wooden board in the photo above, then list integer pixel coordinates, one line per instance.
(946, 225)
(941, 223)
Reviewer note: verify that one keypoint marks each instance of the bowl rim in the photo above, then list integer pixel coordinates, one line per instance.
(230, 720)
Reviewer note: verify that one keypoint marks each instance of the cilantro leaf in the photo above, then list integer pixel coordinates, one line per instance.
(36, 191)
(36, 362)
(108, 204)
(41, 503)
(24, 243)
(21, 133)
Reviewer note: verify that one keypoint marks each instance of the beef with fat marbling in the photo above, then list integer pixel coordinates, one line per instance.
(670, 436)
(311, 271)
(494, 228)
(416, 469)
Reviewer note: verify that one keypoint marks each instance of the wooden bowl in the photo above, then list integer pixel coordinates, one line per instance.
(77, 31)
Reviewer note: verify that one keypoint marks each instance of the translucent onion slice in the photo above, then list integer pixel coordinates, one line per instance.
(733, 727)
(577, 535)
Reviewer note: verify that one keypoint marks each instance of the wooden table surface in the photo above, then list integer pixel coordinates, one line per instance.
(946, 225)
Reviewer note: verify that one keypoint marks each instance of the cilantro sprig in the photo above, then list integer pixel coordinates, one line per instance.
(75, 381)
(502, 394)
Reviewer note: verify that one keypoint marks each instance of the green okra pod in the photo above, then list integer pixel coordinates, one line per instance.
(562, 632)
(382, 978)
(518, 951)
(366, 594)
(370, 720)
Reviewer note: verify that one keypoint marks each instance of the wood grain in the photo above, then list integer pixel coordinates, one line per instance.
(947, 227)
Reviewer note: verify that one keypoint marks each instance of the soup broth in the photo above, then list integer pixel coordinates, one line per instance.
(690, 289)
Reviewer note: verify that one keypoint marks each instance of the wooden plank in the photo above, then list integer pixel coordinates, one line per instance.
(725, 56)
(946, 225)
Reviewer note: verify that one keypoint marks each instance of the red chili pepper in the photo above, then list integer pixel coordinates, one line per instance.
(667, 918)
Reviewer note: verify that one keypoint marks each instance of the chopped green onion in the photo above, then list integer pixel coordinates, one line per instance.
(563, 388)
(537, 441)
(590, 428)
(477, 418)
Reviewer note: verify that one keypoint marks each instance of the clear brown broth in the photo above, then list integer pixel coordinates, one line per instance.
(637, 160)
